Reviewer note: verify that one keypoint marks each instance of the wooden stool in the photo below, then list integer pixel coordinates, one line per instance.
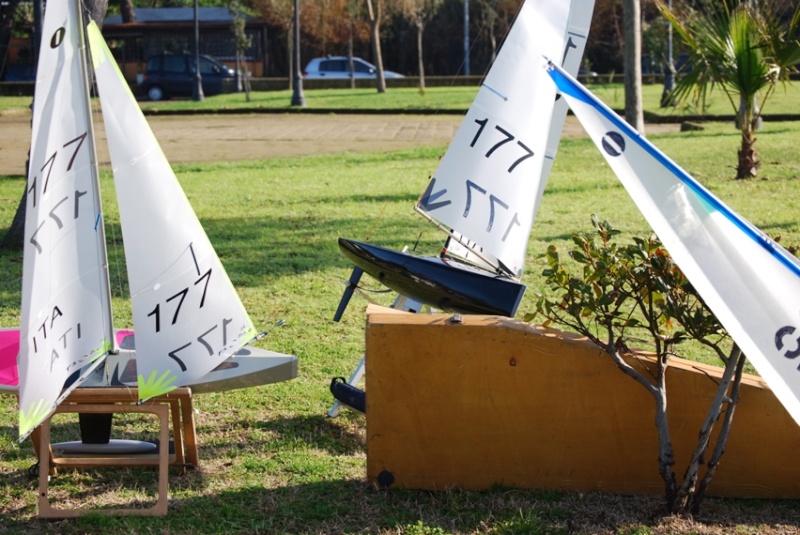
(95, 400)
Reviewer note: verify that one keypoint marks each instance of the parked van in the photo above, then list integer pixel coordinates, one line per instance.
(173, 75)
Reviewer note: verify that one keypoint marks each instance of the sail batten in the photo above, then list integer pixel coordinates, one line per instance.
(749, 281)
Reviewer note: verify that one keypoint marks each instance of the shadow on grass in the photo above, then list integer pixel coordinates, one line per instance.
(319, 432)
(347, 505)
(354, 506)
(283, 245)
(291, 245)
(336, 437)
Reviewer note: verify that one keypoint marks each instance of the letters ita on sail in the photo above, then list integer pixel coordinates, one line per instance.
(749, 281)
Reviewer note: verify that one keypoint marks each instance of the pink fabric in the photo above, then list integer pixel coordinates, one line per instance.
(9, 347)
(122, 333)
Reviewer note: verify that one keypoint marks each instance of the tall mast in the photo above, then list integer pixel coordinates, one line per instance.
(100, 223)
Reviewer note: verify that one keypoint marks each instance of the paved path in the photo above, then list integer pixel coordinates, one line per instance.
(209, 137)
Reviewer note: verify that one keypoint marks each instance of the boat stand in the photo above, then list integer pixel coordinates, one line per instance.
(177, 403)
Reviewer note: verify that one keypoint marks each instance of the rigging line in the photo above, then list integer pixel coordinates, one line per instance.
(104, 164)
(474, 40)
(377, 220)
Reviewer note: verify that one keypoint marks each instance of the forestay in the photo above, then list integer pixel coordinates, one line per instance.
(65, 322)
(750, 282)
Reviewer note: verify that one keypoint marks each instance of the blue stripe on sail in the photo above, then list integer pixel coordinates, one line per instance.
(568, 86)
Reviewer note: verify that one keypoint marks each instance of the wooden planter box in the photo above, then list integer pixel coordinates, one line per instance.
(496, 401)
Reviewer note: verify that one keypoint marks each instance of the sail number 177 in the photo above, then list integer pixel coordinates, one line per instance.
(505, 138)
(501, 146)
(177, 301)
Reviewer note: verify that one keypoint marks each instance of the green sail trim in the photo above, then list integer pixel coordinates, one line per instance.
(101, 53)
(36, 414)
(38, 411)
(102, 351)
(153, 386)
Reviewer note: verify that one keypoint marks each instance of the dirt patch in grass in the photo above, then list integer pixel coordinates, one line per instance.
(236, 137)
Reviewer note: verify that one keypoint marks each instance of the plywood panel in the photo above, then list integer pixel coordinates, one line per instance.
(495, 401)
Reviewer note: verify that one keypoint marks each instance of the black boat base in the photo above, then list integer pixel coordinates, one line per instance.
(440, 282)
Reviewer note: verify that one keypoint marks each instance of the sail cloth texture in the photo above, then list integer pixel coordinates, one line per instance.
(750, 282)
(489, 177)
(187, 315)
(65, 325)
(580, 20)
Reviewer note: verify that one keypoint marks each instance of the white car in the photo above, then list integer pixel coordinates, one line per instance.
(339, 67)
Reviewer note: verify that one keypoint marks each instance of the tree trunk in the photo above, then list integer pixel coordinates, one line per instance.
(350, 65)
(7, 11)
(634, 113)
(748, 158)
(374, 11)
(722, 439)
(687, 492)
(666, 457)
(16, 232)
(747, 120)
(97, 11)
(421, 64)
(290, 49)
(127, 11)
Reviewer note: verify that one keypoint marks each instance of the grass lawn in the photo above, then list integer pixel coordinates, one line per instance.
(271, 462)
(785, 100)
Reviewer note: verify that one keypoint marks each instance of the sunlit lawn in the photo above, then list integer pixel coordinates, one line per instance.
(785, 100)
(271, 461)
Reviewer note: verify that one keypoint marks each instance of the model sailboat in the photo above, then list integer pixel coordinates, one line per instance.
(190, 325)
(749, 281)
(487, 188)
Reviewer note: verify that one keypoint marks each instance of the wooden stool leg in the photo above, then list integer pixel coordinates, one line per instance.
(44, 467)
(177, 434)
(189, 433)
(160, 507)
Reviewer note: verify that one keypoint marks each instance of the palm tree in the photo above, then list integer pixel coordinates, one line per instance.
(745, 49)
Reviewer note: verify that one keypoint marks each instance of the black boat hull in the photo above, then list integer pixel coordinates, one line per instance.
(438, 282)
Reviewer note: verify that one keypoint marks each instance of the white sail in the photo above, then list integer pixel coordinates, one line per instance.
(750, 282)
(187, 315)
(487, 186)
(66, 325)
(580, 20)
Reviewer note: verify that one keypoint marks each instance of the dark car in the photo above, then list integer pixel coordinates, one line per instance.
(173, 75)
(20, 72)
